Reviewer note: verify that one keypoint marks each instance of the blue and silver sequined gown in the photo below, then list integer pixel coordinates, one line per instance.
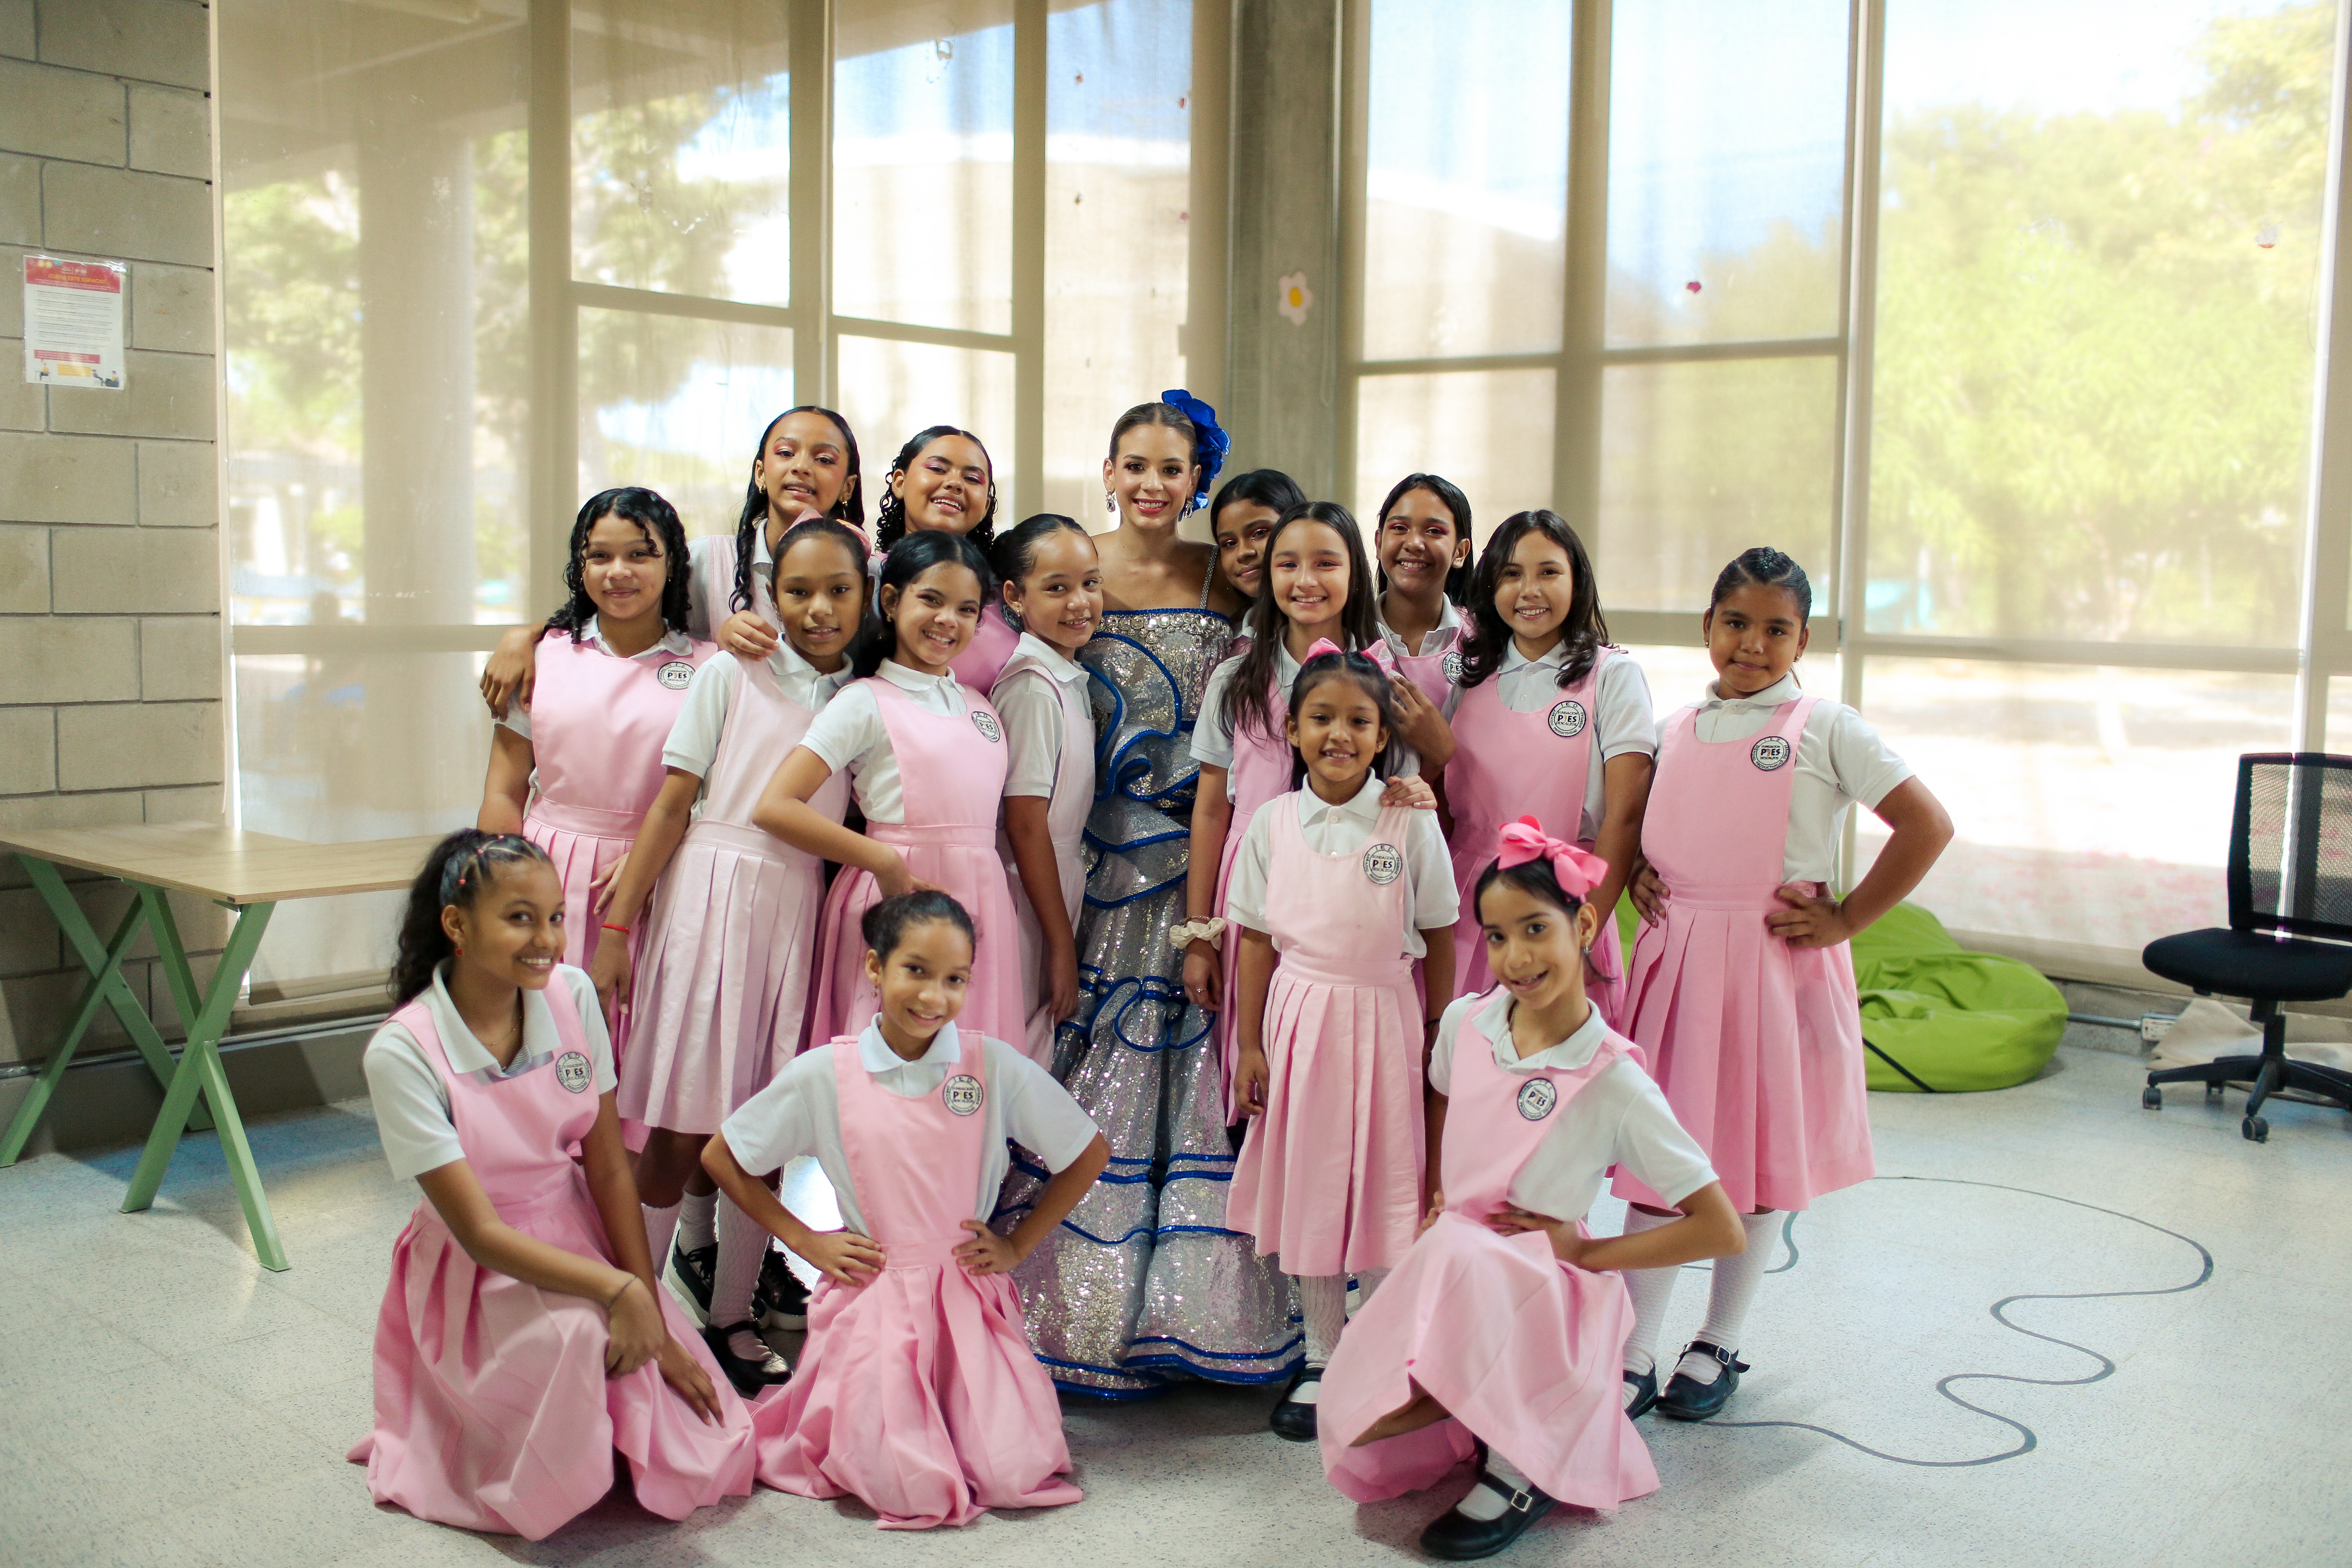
(1144, 1283)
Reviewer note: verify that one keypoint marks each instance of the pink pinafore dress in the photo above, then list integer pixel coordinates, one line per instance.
(1429, 668)
(984, 658)
(1330, 1176)
(1261, 769)
(1756, 1043)
(1524, 1351)
(1066, 823)
(492, 1407)
(1507, 765)
(721, 993)
(597, 725)
(951, 771)
(918, 1393)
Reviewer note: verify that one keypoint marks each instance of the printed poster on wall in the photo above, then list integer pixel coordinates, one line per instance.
(73, 323)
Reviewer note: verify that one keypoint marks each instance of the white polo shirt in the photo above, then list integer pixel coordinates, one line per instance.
(1448, 631)
(1840, 762)
(412, 1102)
(1430, 898)
(1032, 712)
(850, 734)
(693, 743)
(800, 1112)
(1620, 1118)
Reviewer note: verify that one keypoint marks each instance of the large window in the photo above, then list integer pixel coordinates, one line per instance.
(2000, 316)
(604, 243)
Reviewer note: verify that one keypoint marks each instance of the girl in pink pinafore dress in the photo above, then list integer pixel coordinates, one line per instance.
(718, 1002)
(1318, 587)
(1334, 896)
(1504, 1324)
(1548, 719)
(918, 1393)
(1741, 985)
(1053, 582)
(1420, 538)
(927, 764)
(587, 755)
(523, 1337)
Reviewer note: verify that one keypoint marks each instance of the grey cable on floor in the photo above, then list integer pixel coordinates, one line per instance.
(2027, 1440)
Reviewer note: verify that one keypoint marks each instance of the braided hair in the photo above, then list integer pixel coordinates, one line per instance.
(455, 873)
(850, 508)
(658, 520)
(1768, 568)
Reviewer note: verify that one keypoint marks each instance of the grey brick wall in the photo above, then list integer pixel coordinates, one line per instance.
(112, 658)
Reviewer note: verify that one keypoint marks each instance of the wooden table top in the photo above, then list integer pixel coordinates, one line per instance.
(236, 868)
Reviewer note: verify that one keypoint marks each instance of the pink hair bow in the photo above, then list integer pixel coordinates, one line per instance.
(1321, 646)
(1577, 871)
(810, 516)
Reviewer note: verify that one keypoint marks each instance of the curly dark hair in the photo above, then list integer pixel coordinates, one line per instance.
(1584, 630)
(454, 872)
(891, 526)
(658, 519)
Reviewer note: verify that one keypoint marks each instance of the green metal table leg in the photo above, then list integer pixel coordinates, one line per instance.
(94, 995)
(200, 1068)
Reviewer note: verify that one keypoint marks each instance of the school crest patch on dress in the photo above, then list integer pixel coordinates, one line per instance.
(1452, 665)
(676, 673)
(963, 1094)
(987, 725)
(1770, 751)
(1382, 864)
(1537, 1097)
(1567, 718)
(573, 1071)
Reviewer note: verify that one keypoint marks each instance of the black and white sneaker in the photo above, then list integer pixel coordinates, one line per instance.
(779, 1300)
(1294, 1418)
(692, 1271)
(751, 1373)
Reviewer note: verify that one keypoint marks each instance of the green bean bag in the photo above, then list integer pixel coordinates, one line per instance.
(1936, 1018)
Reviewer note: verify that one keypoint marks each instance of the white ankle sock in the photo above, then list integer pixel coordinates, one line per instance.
(743, 1242)
(1484, 1503)
(661, 1225)
(1366, 1282)
(1323, 1303)
(697, 1219)
(1651, 1289)
(1730, 1295)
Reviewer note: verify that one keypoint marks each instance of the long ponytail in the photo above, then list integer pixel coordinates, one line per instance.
(454, 872)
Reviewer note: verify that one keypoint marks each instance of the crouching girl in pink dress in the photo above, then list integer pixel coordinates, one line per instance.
(523, 1338)
(916, 1392)
(1504, 1324)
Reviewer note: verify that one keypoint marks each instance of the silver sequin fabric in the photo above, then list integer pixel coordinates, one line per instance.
(1144, 1284)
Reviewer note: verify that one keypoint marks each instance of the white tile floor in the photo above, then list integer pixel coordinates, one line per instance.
(164, 1400)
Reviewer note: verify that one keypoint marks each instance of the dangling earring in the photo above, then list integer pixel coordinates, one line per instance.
(457, 951)
(1111, 502)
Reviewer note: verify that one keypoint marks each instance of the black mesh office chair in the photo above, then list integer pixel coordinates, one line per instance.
(2290, 922)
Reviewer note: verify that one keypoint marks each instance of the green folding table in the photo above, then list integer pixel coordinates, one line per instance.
(249, 873)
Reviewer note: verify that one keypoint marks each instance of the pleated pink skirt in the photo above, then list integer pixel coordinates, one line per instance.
(582, 842)
(722, 989)
(1330, 1176)
(919, 1395)
(1524, 1352)
(492, 1408)
(974, 874)
(1758, 1045)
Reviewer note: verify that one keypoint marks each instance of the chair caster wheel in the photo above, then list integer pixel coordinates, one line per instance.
(2255, 1129)
(2152, 1098)
(2213, 1092)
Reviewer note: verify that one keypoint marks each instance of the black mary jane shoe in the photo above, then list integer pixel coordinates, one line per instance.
(1458, 1538)
(780, 1300)
(749, 1375)
(1294, 1420)
(1687, 1399)
(693, 1271)
(1645, 1394)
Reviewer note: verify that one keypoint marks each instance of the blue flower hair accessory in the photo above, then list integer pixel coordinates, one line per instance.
(1210, 443)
